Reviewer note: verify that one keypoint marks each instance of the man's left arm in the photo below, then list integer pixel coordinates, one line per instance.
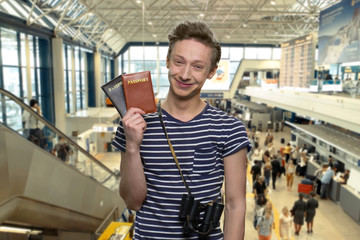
(235, 195)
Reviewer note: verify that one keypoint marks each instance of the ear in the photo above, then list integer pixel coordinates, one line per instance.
(212, 72)
(167, 62)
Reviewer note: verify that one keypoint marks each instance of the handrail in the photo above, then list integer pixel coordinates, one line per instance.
(106, 220)
(57, 131)
(45, 203)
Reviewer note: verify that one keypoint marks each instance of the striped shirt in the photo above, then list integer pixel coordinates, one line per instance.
(200, 146)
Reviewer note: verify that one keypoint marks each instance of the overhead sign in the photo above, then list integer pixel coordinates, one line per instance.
(221, 79)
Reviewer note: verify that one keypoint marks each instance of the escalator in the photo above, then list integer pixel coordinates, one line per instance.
(39, 190)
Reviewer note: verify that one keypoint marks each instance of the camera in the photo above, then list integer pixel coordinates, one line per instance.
(190, 210)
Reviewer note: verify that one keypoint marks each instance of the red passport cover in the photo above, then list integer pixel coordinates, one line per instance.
(139, 92)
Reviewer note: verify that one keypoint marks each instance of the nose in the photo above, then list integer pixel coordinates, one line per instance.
(186, 73)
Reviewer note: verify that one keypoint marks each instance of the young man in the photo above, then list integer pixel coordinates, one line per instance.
(209, 145)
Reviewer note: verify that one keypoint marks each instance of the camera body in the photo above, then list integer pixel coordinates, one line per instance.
(190, 214)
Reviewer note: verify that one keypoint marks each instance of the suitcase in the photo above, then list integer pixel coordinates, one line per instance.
(304, 188)
(306, 181)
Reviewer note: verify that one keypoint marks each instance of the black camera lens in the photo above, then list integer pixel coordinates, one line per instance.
(217, 209)
(194, 212)
(206, 221)
(186, 205)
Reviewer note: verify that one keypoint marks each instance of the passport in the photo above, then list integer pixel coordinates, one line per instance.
(131, 90)
(115, 92)
(139, 92)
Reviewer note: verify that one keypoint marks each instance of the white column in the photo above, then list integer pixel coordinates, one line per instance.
(116, 67)
(252, 79)
(58, 76)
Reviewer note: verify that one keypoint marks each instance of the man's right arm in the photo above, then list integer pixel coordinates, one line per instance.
(132, 183)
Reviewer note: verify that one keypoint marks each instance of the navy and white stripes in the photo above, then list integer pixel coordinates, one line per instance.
(200, 146)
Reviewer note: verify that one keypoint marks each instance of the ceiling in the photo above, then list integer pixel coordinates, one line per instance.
(110, 24)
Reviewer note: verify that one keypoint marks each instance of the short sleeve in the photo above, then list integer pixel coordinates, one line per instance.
(236, 138)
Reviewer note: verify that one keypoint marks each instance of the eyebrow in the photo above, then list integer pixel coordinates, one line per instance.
(196, 61)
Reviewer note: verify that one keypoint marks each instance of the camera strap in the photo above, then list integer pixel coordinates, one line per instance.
(174, 155)
(172, 149)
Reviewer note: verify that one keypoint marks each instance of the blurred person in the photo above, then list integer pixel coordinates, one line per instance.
(303, 164)
(255, 171)
(264, 226)
(325, 182)
(299, 209)
(290, 170)
(295, 154)
(285, 223)
(62, 149)
(287, 152)
(311, 206)
(345, 176)
(276, 167)
(267, 173)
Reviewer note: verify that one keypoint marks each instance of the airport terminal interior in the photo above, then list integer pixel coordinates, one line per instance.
(289, 70)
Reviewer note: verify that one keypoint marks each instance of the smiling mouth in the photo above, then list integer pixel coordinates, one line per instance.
(182, 84)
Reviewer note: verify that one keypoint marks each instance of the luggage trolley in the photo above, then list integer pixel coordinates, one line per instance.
(306, 185)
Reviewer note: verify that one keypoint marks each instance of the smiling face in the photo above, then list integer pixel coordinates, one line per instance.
(189, 67)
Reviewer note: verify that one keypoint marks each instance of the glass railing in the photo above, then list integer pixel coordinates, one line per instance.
(22, 119)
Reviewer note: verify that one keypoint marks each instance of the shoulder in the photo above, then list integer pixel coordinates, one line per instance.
(216, 114)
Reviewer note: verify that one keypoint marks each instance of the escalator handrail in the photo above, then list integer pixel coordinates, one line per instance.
(57, 131)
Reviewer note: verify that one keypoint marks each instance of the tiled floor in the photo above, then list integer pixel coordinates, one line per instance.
(330, 223)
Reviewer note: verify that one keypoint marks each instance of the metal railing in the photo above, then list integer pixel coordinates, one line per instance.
(14, 108)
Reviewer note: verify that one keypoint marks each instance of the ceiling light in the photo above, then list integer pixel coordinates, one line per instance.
(154, 35)
(138, 1)
(201, 14)
(227, 36)
(244, 25)
(272, 2)
(255, 41)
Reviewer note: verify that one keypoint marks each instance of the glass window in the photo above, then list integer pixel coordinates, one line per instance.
(151, 53)
(24, 82)
(236, 53)
(264, 53)
(9, 47)
(225, 53)
(33, 82)
(31, 49)
(37, 52)
(250, 53)
(151, 66)
(120, 64)
(77, 59)
(12, 80)
(233, 67)
(276, 53)
(77, 80)
(136, 53)
(78, 101)
(126, 55)
(23, 49)
(126, 66)
(13, 115)
(163, 53)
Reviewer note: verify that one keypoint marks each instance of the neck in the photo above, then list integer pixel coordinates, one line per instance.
(183, 110)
